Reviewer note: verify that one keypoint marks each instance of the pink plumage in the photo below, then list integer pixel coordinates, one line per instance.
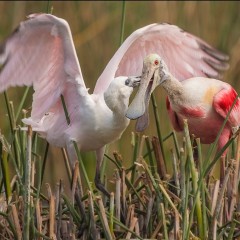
(204, 102)
(213, 99)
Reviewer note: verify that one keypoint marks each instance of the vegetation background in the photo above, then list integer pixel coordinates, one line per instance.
(96, 31)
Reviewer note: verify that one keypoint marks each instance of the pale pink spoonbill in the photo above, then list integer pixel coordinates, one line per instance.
(40, 52)
(204, 102)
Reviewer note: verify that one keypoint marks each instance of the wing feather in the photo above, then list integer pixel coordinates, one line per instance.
(222, 103)
(40, 52)
(185, 54)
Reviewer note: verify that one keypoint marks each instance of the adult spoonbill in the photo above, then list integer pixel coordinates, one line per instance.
(205, 102)
(40, 52)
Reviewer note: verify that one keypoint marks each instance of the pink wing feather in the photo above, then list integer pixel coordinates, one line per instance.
(185, 55)
(41, 52)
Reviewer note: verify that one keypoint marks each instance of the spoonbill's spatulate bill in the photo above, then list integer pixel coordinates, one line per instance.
(40, 52)
(204, 102)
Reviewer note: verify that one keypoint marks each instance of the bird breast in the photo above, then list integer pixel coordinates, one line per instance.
(197, 97)
(95, 126)
(195, 104)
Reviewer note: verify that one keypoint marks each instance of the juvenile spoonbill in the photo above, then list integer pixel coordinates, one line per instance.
(40, 52)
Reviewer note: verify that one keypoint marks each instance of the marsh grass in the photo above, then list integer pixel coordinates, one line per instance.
(149, 201)
(160, 193)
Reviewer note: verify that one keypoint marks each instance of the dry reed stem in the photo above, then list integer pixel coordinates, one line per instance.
(33, 171)
(45, 227)
(141, 146)
(156, 231)
(222, 168)
(13, 181)
(59, 209)
(118, 158)
(173, 196)
(118, 197)
(91, 214)
(132, 225)
(161, 168)
(21, 208)
(176, 173)
(164, 221)
(104, 218)
(130, 214)
(176, 226)
(213, 232)
(38, 217)
(27, 190)
(149, 210)
(111, 211)
(215, 196)
(137, 229)
(57, 196)
(235, 180)
(123, 192)
(64, 230)
(74, 180)
(16, 222)
(169, 199)
(222, 191)
(66, 161)
(51, 213)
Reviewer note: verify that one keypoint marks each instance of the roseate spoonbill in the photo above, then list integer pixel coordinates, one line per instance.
(205, 102)
(40, 52)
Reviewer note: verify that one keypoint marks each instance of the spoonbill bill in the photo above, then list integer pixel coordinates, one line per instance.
(204, 102)
(40, 52)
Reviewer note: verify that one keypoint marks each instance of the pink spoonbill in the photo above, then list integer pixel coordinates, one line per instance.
(40, 52)
(204, 102)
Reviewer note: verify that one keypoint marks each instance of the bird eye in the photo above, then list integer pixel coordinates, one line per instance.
(156, 62)
(127, 81)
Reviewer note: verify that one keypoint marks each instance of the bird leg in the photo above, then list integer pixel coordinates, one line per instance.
(97, 180)
(99, 156)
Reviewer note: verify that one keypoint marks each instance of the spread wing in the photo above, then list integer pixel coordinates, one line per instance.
(40, 52)
(185, 55)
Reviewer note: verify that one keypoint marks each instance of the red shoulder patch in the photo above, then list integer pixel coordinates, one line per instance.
(227, 99)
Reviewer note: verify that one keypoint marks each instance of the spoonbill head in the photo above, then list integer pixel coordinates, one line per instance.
(204, 102)
(149, 81)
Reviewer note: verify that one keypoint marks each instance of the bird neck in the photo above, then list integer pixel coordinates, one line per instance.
(118, 105)
(117, 101)
(173, 87)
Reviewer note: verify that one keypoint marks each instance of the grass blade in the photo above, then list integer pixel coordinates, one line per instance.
(5, 172)
(194, 174)
(27, 188)
(157, 121)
